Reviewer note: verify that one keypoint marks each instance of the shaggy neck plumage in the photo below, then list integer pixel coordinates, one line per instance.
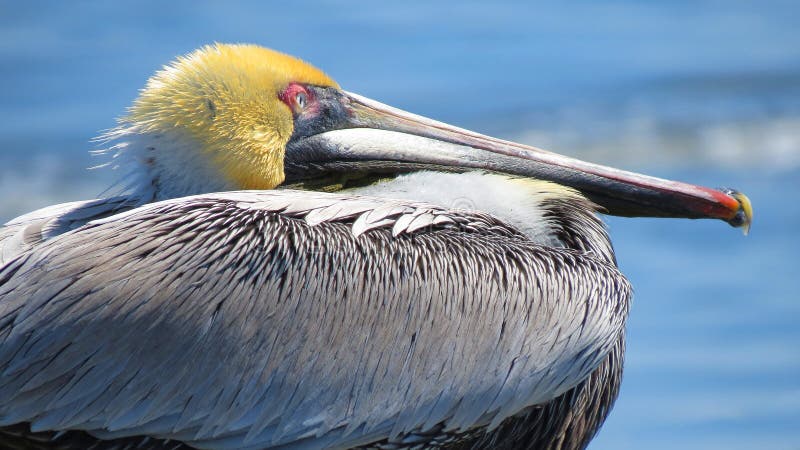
(159, 166)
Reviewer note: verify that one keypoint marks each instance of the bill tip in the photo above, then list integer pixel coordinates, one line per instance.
(743, 218)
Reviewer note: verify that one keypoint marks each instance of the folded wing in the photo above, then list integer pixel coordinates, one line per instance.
(254, 319)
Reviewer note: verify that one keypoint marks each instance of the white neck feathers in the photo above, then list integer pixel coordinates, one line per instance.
(159, 166)
(517, 202)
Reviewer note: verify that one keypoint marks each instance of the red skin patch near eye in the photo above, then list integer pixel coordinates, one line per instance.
(289, 95)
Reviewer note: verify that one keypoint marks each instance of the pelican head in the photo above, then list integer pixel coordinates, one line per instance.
(217, 119)
(229, 117)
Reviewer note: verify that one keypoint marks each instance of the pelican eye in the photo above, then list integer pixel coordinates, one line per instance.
(301, 99)
(296, 97)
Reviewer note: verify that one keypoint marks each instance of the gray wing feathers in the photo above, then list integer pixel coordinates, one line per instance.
(367, 213)
(24, 232)
(227, 321)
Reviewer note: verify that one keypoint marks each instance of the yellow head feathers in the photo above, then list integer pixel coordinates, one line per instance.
(226, 98)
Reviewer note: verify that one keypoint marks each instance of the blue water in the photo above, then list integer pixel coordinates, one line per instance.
(702, 91)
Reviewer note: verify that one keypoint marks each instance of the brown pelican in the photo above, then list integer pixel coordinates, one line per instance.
(290, 265)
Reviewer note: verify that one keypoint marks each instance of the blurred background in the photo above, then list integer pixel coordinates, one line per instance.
(701, 91)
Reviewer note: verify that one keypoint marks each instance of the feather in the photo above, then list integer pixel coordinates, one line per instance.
(201, 320)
